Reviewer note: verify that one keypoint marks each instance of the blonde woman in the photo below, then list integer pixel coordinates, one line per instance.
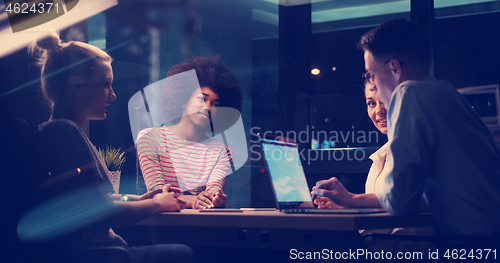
(77, 82)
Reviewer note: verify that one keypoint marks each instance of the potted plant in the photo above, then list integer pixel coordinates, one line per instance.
(114, 159)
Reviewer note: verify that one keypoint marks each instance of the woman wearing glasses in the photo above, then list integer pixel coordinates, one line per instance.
(339, 197)
(184, 154)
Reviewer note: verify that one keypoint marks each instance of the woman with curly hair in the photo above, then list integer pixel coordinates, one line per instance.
(184, 154)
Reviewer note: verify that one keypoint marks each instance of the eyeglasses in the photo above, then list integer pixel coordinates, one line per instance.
(370, 77)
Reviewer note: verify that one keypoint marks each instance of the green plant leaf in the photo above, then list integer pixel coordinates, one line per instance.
(113, 158)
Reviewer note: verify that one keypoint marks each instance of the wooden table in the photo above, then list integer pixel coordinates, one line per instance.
(272, 229)
(280, 220)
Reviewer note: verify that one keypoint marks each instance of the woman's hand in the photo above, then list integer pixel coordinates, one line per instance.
(203, 201)
(167, 200)
(207, 200)
(149, 195)
(334, 190)
(326, 203)
(220, 199)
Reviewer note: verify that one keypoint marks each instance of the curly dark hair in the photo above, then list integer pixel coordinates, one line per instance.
(212, 73)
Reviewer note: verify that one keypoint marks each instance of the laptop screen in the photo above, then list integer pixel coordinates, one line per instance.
(287, 175)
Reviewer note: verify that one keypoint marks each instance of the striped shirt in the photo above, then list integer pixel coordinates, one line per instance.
(191, 166)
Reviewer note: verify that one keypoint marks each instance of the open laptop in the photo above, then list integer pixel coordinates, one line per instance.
(289, 183)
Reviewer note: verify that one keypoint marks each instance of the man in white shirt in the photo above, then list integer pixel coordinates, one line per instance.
(443, 155)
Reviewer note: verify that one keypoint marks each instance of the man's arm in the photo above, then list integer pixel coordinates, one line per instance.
(410, 151)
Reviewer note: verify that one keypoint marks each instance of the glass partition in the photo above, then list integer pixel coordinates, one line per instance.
(317, 90)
